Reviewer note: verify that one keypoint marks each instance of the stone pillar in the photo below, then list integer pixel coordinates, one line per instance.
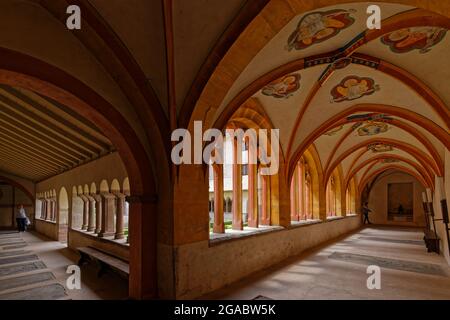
(84, 225)
(300, 195)
(219, 226)
(43, 208)
(265, 217)
(293, 194)
(107, 228)
(98, 213)
(91, 214)
(143, 239)
(48, 211)
(252, 203)
(237, 189)
(120, 211)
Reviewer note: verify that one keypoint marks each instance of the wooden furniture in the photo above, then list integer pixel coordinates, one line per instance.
(105, 261)
(431, 241)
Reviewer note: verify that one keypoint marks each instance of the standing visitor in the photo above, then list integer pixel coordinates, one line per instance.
(21, 218)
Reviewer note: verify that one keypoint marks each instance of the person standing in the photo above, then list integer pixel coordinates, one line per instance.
(366, 211)
(21, 218)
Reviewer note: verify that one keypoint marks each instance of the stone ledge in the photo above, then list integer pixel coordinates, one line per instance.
(42, 220)
(248, 232)
(106, 240)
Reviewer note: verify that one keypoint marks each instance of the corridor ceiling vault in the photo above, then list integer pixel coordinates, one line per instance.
(40, 138)
(366, 100)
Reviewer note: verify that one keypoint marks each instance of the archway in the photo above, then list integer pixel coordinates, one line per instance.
(22, 71)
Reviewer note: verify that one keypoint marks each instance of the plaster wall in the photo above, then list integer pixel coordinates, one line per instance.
(378, 200)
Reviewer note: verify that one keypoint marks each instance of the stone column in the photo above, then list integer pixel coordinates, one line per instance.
(293, 194)
(107, 228)
(219, 226)
(91, 214)
(120, 211)
(265, 217)
(98, 213)
(252, 203)
(84, 226)
(43, 208)
(237, 189)
(55, 210)
(48, 211)
(300, 195)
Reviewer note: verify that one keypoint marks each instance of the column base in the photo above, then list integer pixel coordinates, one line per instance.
(90, 229)
(105, 234)
(84, 228)
(97, 230)
(119, 236)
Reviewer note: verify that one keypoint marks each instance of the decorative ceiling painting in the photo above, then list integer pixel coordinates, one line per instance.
(414, 38)
(380, 147)
(372, 128)
(333, 131)
(284, 87)
(319, 26)
(353, 87)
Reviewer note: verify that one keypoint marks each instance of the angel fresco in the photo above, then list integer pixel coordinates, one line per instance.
(408, 39)
(319, 26)
(283, 87)
(380, 147)
(373, 128)
(353, 87)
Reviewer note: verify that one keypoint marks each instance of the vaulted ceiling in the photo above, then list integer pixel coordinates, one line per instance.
(367, 100)
(41, 138)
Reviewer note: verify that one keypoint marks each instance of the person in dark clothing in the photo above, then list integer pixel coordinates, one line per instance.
(365, 211)
(400, 210)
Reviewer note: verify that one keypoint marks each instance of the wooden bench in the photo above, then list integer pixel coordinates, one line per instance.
(105, 261)
(431, 241)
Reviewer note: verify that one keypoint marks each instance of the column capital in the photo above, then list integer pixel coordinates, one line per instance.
(97, 197)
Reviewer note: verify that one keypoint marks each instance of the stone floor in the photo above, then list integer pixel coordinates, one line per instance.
(33, 267)
(338, 270)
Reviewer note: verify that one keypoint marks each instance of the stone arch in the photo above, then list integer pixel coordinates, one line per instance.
(23, 71)
(76, 212)
(115, 186)
(63, 207)
(104, 186)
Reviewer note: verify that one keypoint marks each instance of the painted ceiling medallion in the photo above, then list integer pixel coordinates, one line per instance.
(380, 147)
(408, 39)
(316, 27)
(353, 87)
(333, 131)
(283, 87)
(373, 128)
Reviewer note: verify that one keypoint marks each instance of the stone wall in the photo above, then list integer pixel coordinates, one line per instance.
(201, 268)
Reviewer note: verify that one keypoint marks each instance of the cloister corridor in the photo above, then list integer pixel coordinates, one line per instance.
(180, 150)
(338, 270)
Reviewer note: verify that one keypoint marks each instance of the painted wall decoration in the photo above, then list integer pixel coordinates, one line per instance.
(333, 131)
(372, 128)
(414, 38)
(353, 87)
(316, 27)
(283, 87)
(380, 147)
